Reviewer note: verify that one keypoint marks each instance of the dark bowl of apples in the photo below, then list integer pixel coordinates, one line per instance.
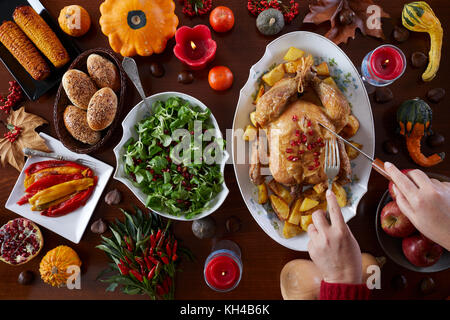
(402, 243)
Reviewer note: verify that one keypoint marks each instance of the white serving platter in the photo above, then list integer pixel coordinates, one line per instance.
(342, 68)
(72, 225)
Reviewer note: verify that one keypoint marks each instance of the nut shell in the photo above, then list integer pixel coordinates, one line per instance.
(102, 109)
(79, 87)
(103, 72)
(76, 123)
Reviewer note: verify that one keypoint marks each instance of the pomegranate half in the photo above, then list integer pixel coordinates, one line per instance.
(20, 241)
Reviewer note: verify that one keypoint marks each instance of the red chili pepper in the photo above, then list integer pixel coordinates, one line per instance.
(152, 240)
(151, 251)
(153, 260)
(123, 268)
(165, 259)
(129, 247)
(73, 203)
(151, 273)
(169, 251)
(137, 275)
(174, 257)
(38, 166)
(158, 235)
(140, 261)
(148, 263)
(175, 247)
(128, 261)
(160, 290)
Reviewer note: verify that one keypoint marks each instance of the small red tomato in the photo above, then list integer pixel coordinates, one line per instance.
(220, 78)
(221, 19)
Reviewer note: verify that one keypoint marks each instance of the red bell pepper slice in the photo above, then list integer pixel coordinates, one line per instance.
(51, 180)
(78, 200)
(37, 166)
(24, 199)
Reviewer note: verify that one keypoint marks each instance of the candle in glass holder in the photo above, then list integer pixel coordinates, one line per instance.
(223, 267)
(194, 46)
(383, 65)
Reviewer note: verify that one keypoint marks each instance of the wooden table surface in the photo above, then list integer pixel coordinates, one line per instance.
(263, 258)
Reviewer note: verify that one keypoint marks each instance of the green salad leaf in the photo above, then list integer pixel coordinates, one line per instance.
(163, 162)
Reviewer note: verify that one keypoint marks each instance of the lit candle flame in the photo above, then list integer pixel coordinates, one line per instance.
(193, 46)
(385, 63)
(223, 273)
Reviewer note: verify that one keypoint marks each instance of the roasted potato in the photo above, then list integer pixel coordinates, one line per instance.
(291, 66)
(312, 194)
(305, 222)
(322, 69)
(280, 207)
(352, 153)
(308, 204)
(250, 133)
(280, 191)
(275, 75)
(330, 81)
(351, 128)
(253, 119)
(295, 215)
(260, 92)
(340, 193)
(293, 54)
(321, 206)
(291, 230)
(263, 194)
(320, 187)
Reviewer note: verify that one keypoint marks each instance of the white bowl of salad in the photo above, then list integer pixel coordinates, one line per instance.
(180, 184)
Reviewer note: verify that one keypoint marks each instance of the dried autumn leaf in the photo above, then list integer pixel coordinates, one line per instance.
(363, 17)
(11, 152)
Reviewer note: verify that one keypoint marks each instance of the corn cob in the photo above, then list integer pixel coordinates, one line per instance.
(41, 35)
(23, 50)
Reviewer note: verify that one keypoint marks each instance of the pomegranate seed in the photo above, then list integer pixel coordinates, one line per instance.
(304, 139)
(310, 132)
(311, 168)
(297, 133)
(309, 123)
(309, 147)
(289, 150)
(317, 164)
(316, 153)
(322, 144)
(313, 145)
(319, 140)
(290, 158)
(293, 143)
(301, 152)
(294, 118)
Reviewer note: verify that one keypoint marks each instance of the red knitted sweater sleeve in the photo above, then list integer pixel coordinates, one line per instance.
(341, 291)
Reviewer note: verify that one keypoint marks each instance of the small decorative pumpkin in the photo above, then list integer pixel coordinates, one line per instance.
(419, 17)
(270, 22)
(53, 267)
(138, 26)
(74, 20)
(414, 118)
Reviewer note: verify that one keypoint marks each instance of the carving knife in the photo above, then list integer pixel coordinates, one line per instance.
(377, 164)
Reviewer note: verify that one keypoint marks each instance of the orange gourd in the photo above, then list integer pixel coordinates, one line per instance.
(74, 20)
(140, 27)
(53, 267)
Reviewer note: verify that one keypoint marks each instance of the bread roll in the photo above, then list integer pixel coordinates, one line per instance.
(103, 72)
(79, 87)
(76, 123)
(102, 109)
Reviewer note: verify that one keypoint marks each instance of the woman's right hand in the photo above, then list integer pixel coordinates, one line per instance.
(425, 201)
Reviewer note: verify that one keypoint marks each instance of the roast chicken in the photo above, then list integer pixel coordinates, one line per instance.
(295, 139)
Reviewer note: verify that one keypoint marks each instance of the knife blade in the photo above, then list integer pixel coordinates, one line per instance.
(377, 164)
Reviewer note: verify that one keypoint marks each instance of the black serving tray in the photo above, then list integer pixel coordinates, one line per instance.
(32, 88)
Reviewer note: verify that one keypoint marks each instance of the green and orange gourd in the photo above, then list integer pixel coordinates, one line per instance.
(414, 118)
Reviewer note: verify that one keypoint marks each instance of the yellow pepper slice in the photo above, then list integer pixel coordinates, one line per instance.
(60, 190)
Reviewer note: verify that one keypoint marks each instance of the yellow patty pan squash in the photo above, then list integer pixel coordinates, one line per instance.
(138, 26)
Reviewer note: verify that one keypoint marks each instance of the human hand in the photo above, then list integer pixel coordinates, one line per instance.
(333, 248)
(425, 201)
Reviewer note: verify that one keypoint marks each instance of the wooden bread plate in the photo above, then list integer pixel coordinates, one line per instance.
(62, 101)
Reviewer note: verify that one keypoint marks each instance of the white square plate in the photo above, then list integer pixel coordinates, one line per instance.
(72, 225)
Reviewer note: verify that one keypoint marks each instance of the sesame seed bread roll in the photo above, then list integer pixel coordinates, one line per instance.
(103, 72)
(76, 123)
(102, 109)
(79, 87)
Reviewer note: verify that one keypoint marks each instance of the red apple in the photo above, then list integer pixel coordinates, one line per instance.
(421, 251)
(391, 184)
(394, 222)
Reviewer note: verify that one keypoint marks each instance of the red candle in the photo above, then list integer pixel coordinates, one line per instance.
(222, 271)
(387, 62)
(194, 46)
